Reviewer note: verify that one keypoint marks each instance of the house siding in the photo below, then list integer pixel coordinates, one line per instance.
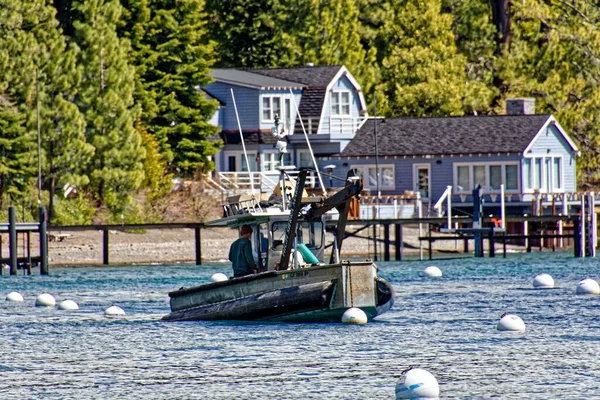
(247, 102)
(343, 132)
(552, 143)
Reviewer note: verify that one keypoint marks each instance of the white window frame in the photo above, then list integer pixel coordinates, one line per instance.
(272, 113)
(547, 176)
(487, 186)
(239, 159)
(338, 94)
(363, 170)
(269, 161)
(307, 152)
(416, 168)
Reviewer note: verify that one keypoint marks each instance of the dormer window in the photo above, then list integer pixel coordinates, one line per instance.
(271, 105)
(340, 102)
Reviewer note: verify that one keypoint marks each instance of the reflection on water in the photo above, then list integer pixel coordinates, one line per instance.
(446, 325)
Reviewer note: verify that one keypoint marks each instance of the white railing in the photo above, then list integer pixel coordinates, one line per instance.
(340, 125)
(263, 182)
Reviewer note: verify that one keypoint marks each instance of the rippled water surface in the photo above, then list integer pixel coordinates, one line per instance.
(446, 325)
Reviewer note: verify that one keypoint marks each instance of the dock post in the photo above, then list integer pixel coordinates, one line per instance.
(429, 240)
(375, 250)
(576, 238)
(43, 241)
(399, 244)
(197, 238)
(504, 244)
(465, 245)
(386, 239)
(105, 251)
(12, 239)
(492, 249)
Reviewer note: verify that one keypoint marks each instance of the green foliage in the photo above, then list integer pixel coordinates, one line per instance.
(106, 99)
(157, 179)
(73, 211)
(175, 55)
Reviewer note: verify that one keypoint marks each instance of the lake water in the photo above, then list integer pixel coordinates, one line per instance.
(445, 325)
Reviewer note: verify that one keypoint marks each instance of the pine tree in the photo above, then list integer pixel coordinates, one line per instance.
(65, 152)
(422, 72)
(174, 56)
(553, 56)
(106, 99)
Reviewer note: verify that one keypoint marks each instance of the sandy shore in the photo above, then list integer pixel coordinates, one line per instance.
(177, 245)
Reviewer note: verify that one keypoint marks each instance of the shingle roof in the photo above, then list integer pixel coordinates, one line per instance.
(248, 78)
(453, 135)
(250, 137)
(314, 77)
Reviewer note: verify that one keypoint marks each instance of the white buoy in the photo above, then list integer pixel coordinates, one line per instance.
(511, 322)
(68, 305)
(543, 281)
(114, 310)
(417, 383)
(432, 271)
(588, 286)
(219, 277)
(45, 300)
(14, 296)
(354, 316)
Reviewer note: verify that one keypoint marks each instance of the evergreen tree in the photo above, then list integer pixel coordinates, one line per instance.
(65, 152)
(553, 56)
(174, 56)
(422, 73)
(106, 99)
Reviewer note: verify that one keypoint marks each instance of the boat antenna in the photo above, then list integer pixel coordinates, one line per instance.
(243, 144)
(312, 155)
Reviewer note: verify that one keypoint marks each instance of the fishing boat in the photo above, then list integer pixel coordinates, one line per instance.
(294, 283)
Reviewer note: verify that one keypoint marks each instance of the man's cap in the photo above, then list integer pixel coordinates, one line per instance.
(246, 229)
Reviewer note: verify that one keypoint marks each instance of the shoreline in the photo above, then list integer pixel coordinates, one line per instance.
(172, 246)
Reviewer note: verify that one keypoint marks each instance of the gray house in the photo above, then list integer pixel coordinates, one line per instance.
(530, 154)
(325, 102)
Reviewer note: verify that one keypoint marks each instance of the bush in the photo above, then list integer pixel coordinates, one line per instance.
(75, 211)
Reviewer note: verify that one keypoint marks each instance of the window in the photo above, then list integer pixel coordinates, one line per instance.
(309, 233)
(271, 106)
(543, 173)
(369, 175)
(421, 180)
(304, 159)
(340, 103)
(490, 176)
(271, 160)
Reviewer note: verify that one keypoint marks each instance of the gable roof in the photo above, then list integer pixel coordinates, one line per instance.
(449, 135)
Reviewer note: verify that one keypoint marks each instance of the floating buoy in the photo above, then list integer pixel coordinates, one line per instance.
(432, 271)
(511, 322)
(417, 383)
(45, 300)
(68, 305)
(14, 296)
(354, 316)
(219, 277)
(114, 310)
(588, 286)
(543, 281)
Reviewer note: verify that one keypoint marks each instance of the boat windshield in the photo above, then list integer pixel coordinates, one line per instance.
(309, 233)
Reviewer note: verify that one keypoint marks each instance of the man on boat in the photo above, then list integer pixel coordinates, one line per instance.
(240, 254)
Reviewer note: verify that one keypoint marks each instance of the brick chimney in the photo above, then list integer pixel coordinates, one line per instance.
(523, 106)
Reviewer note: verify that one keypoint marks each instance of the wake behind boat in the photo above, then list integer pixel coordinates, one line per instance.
(295, 284)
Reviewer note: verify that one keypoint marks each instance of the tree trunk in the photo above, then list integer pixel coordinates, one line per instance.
(501, 18)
